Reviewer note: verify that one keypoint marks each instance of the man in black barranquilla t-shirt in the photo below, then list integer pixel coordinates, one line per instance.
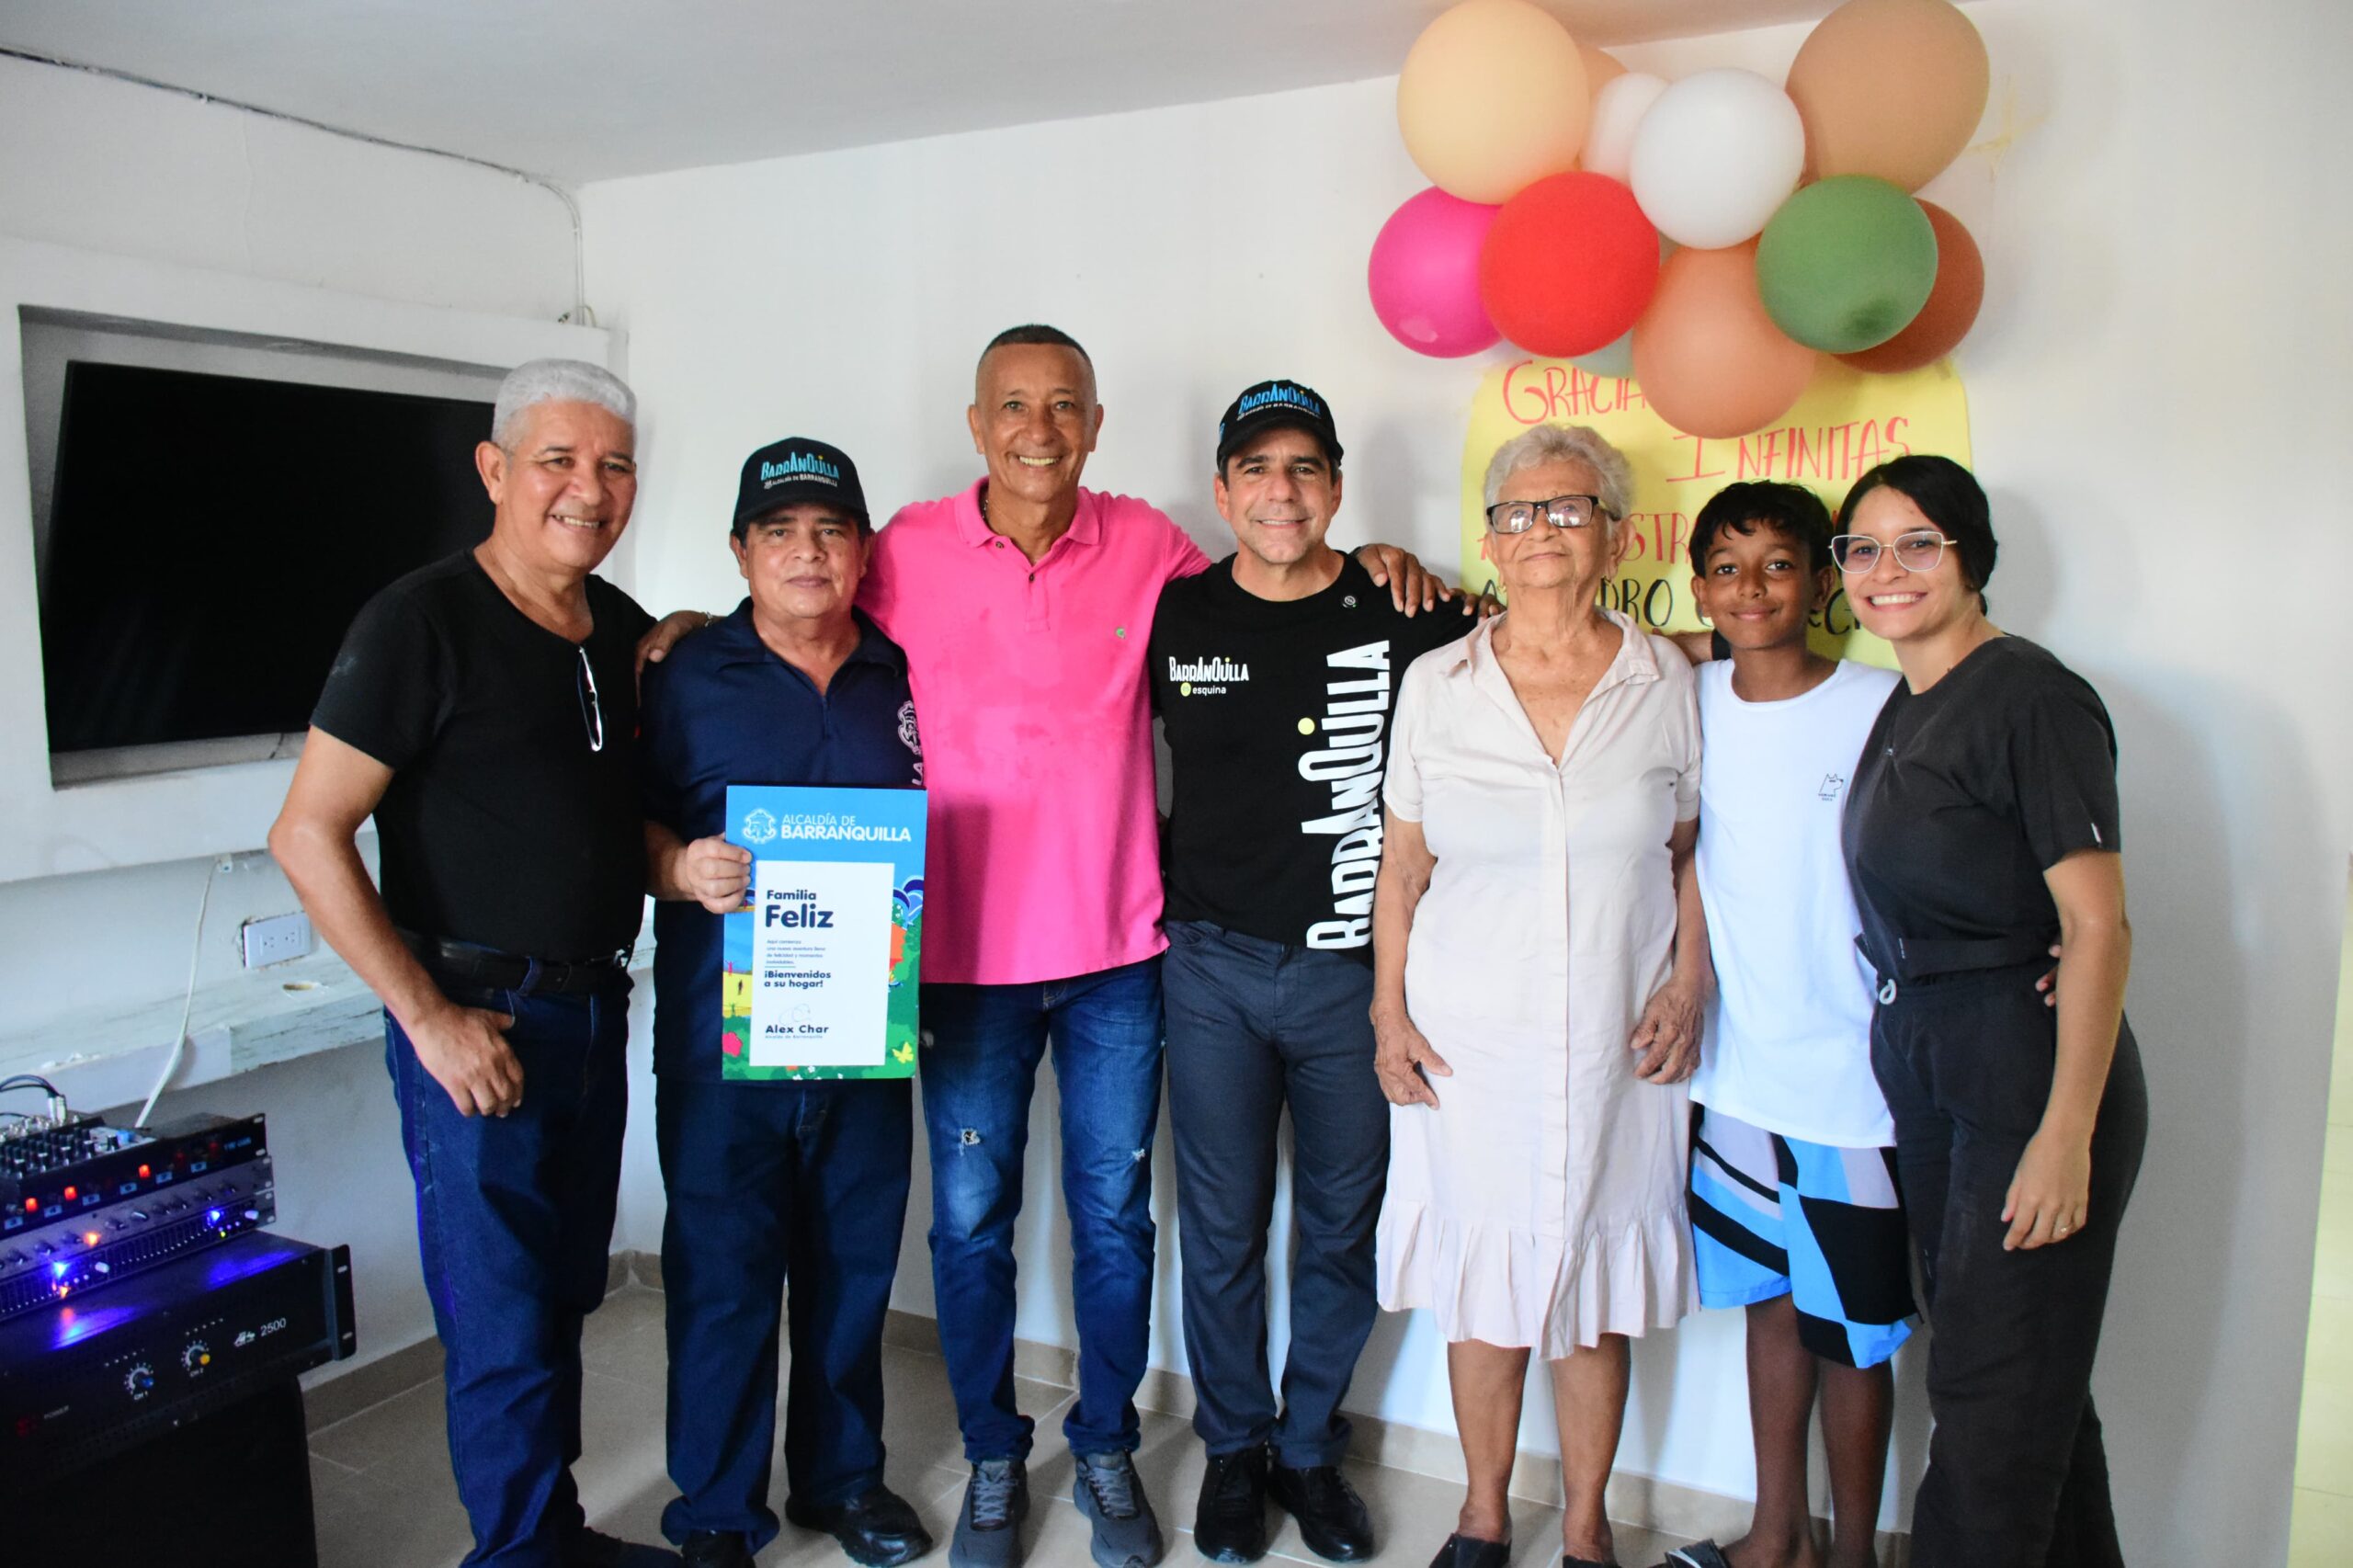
(1275, 672)
(485, 709)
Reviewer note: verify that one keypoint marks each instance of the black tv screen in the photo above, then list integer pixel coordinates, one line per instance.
(211, 536)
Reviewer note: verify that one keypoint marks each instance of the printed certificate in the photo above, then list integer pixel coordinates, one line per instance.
(821, 969)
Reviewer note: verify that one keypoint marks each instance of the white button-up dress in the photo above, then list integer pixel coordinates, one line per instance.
(1541, 1203)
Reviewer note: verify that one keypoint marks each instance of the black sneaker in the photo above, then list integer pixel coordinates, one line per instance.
(1110, 1494)
(717, 1548)
(988, 1527)
(595, 1548)
(1331, 1517)
(877, 1528)
(1229, 1520)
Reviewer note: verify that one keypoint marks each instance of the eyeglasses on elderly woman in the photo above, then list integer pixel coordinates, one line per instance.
(1918, 551)
(1561, 511)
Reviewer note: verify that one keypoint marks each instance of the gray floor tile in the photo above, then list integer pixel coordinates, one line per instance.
(385, 1497)
(620, 1444)
(624, 1338)
(919, 1414)
(409, 1428)
(363, 1523)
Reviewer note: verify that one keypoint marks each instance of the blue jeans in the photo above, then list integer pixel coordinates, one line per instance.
(981, 1046)
(513, 1223)
(770, 1183)
(1253, 1026)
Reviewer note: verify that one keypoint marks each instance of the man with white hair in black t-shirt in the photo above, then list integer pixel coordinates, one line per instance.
(483, 710)
(1275, 672)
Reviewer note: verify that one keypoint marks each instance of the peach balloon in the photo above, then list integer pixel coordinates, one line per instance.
(1492, 99)
(1707, 357)
(1951, 309)
(1599, 67)
(1889, 87)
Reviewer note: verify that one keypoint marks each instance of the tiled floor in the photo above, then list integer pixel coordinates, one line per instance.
(2322, 1533)
(385, 1499)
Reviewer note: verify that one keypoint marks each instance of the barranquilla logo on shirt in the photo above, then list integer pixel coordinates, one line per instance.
(1348, 759)
(1206, 678)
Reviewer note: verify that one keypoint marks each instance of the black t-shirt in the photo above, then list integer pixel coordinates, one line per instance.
(1965, 794)
(503, 825)
(1278, 723)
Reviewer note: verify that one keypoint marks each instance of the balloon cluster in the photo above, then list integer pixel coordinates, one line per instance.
(1710, 236)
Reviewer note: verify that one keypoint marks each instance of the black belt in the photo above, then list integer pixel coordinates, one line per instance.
(473, 965)
(1917, 960)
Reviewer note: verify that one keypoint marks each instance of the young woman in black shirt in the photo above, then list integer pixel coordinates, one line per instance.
(1981, 828)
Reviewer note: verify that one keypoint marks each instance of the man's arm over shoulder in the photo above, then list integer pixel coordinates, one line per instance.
(883, 594)
(1185, 558)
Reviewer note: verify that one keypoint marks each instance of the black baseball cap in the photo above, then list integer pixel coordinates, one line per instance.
(1273, 406)
(797, 468)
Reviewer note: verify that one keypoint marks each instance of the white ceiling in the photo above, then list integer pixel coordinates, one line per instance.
(589, 89)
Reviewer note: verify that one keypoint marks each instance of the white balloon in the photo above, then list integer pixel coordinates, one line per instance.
(1618, 110)
(1716, 154)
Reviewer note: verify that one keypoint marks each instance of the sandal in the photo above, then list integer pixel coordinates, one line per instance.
(1469, 1552)
(1698, 1554)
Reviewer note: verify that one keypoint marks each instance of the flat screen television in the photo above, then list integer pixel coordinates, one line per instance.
(210, 538)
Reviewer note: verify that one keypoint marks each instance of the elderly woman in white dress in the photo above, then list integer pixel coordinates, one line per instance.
(1539, 958)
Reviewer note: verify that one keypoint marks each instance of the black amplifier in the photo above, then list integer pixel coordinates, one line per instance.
(90, 1377)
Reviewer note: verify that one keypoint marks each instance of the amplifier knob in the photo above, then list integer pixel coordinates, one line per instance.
(195, 1356)
(140, 1382)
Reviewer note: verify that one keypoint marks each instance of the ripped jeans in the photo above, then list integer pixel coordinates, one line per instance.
(982, 1045)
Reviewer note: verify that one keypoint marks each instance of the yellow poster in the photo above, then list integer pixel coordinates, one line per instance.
(1846, 422)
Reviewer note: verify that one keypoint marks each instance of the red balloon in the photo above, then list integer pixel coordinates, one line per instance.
(1951, 309)
(1569, 264)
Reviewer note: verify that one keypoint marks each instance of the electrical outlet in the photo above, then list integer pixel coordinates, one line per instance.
(276, 938)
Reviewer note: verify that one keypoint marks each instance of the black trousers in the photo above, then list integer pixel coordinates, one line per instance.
(2017, 1474)
(1255, 1027)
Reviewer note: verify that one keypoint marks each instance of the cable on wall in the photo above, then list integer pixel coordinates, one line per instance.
(580, 313)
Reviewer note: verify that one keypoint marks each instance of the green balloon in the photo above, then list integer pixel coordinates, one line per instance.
(1847, 263)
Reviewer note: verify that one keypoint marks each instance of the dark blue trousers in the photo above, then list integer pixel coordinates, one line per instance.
(1255, 1027)
(513, 1223)
(981, 1047)
(798, 1183)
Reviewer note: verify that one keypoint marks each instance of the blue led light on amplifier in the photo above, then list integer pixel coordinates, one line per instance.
(61, 1259)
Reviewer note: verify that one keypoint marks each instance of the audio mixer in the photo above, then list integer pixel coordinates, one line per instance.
(84, 1205)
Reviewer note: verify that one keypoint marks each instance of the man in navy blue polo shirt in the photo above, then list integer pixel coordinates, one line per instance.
(806, 1179)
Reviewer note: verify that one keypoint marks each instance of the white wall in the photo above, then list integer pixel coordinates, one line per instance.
(2165, 332)
(104, 167)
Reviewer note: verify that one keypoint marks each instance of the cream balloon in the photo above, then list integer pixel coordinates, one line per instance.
(1715, 155)
(1492, 99)
(1618, 111)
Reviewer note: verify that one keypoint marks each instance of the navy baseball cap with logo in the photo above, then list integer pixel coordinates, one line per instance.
(1273, 406)
(796, 469)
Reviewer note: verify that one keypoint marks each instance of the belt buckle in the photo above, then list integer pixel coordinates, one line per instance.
(622, 954)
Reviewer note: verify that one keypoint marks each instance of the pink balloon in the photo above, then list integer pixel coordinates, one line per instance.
(1425, 275)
